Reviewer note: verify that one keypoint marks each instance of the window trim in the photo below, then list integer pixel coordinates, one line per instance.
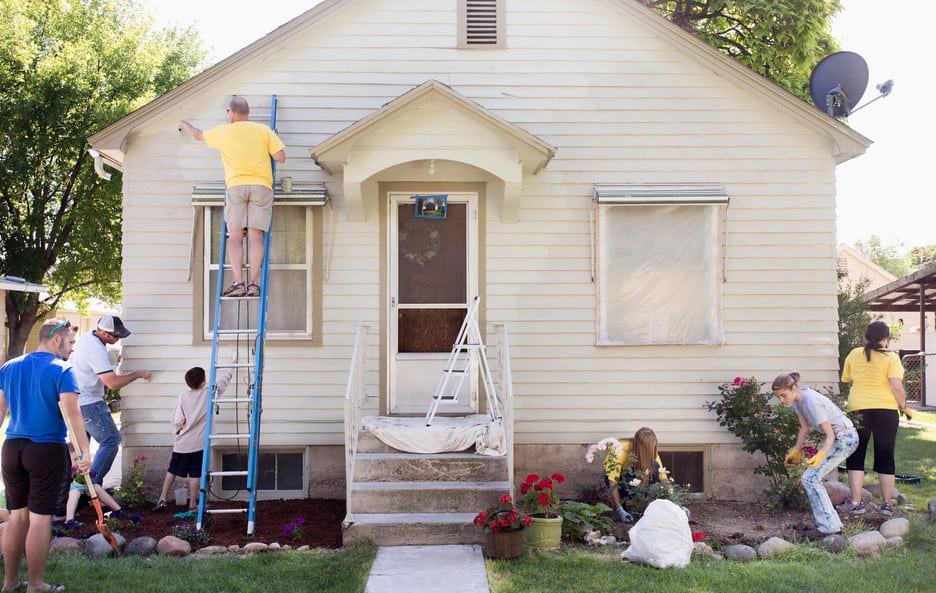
(303, 452)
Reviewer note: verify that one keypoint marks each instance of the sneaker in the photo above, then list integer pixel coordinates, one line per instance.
(850, 506)
(887, 509)
(624, 516)
(159, 506)
(73, 524)
(253, 290)
(236, 289)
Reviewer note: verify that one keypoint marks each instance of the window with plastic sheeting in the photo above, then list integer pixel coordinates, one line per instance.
(660, 266)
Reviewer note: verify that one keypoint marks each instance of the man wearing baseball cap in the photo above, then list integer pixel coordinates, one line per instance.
(94, 372)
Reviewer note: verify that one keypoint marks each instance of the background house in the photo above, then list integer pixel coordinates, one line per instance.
(647, 217)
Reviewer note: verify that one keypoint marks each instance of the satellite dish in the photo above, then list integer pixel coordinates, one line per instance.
(837, 83)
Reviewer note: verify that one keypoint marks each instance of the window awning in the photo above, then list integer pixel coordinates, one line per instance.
(660, 194)
(211, 193)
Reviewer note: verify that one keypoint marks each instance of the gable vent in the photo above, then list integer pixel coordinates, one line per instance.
(481, 23)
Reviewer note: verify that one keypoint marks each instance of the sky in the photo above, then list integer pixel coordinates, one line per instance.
(883, 192)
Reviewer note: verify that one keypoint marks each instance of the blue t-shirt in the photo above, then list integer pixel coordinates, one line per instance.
(31, 385)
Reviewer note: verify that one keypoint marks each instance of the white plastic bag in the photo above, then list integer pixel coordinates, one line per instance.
(661, 538)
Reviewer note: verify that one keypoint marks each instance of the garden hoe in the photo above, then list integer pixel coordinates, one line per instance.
(101, 525)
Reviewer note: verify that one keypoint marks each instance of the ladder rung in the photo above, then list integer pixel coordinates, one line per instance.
(230, 436)
(455, 371)
(232, 400)
(444, 398)
(236, 365)
(240, 298)
(229, 473)
(233, 332)
(223, 511)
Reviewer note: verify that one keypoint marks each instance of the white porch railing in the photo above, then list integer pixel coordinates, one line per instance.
(355, 398)
(505, 395)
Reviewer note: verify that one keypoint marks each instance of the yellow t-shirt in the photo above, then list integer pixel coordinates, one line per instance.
(246, 148)
(870, 380)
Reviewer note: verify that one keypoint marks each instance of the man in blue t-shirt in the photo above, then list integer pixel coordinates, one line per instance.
(35, 458)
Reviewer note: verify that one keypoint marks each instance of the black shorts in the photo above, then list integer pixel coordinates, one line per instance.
(186, 465)
(36, 475)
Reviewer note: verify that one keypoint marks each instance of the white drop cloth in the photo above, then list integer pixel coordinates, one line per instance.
(447, 434)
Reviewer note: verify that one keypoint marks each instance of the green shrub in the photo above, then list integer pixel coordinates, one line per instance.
(131, 485)
(578, 518)
(747, 413)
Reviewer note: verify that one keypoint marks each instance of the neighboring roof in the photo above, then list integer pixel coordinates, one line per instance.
(853, 254)
(907, 293)
(15, 283)
(848, 143)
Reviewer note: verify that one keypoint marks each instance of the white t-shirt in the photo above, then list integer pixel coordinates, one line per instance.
(817, 408)
(89, 360)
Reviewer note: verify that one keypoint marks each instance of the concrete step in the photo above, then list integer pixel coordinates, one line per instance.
(424, 497)
(411, 467)
(412, 529)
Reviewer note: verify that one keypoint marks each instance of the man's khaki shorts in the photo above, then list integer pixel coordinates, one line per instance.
(248, 206)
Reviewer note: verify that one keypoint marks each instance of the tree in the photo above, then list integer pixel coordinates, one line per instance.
(854, 316)
(920, 257)
(886, 256)
(67, 69)
(780, 39)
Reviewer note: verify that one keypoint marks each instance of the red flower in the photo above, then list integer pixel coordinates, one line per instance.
(531, 478)
(698, 536)
(505, 498)
(481, 519)
(558, 478)
(524, 487)
(511, 516)
(544, 499)
(544, 484)
(526, 520)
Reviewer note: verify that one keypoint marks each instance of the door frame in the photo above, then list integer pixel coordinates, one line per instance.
(397, 365)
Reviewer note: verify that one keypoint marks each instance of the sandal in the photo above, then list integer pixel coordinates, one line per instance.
(236, 289)
(159, 506)
(253, 290)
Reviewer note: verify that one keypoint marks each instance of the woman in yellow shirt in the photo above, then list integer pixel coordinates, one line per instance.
(630, 472)
(876, 396)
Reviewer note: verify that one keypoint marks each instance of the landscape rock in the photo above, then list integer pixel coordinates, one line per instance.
(896, 527)
(834, 543)
(875, 490)
(234, 549)
(703, 549)
(141, 546)
(256, 547)
(65, 544)
(275, 546)
(173, 546)
(740, 552)
(838, 491)
(97, 546)
(931, 507)
(213, 550)
(867, 544)
(773, 547)
(893, 542)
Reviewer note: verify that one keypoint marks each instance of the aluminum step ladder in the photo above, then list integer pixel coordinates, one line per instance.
(467, 353)
(248, 342)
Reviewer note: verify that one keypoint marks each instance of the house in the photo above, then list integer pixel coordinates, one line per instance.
(645, 217)
(84, 319)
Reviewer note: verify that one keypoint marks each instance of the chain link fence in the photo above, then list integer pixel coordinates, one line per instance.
(920, 378)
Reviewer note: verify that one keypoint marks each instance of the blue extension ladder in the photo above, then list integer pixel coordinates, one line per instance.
(252, 403)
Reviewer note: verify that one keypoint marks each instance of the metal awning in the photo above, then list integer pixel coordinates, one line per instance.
(913, 293)
(211, 193)
(643, 195)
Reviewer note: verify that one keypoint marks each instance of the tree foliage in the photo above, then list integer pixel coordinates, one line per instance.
(854, 316)
(886, 256)
(67, 69)
(780, 39)
(920, 257)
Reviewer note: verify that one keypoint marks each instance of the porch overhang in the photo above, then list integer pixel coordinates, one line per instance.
(431, 122)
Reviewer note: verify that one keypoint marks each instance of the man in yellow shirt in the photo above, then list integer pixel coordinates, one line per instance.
(246, 148)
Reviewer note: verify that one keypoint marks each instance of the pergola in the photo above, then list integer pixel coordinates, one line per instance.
(913, 293)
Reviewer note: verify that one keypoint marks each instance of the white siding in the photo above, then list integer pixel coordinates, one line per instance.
(621, 106)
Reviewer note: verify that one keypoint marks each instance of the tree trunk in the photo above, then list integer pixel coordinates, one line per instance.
(21, 309)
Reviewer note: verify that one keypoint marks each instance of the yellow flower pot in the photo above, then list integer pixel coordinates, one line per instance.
(544, 533)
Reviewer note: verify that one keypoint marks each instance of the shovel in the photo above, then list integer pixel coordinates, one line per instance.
(101, 525)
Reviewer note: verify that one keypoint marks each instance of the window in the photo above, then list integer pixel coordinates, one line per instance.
(292, 288)
(279, 471)
(687, 468)
(481, 23)
(660, 264)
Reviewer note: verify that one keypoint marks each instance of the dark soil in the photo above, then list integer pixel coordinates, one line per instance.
(321, 523)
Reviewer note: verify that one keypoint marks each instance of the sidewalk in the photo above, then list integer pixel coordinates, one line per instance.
(428, 569)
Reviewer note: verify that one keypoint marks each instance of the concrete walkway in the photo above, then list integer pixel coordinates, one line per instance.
(428, 569)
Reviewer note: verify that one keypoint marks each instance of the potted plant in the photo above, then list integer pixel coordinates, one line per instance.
(542, 502)
(503, 526)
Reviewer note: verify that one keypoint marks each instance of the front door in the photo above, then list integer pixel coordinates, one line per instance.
(433, 256)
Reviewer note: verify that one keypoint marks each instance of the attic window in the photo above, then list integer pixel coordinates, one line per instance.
(481, 23)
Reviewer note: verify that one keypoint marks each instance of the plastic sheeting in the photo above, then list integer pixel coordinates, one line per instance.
(446, 434)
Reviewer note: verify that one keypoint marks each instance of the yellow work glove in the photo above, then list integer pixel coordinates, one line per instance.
(793, 458)
(815, 460)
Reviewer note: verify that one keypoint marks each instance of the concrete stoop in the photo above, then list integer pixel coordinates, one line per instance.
(410, 499)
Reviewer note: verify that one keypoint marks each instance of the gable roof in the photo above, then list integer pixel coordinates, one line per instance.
(847, 143)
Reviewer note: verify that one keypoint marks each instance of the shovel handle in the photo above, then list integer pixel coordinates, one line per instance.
(71, 436)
